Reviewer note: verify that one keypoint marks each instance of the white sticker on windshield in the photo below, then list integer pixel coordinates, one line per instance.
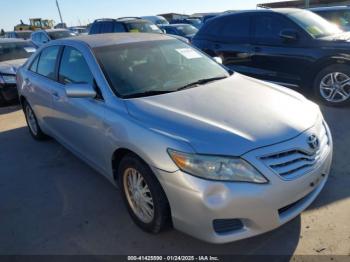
(189, 53)
(154, 27)
(30, 49)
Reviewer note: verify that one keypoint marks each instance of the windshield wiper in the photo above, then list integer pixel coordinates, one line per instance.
(148, 93)
(200, 82)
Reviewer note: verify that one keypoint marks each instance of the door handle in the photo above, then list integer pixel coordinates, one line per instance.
(27, 82)
(55, 95)
(216, 46)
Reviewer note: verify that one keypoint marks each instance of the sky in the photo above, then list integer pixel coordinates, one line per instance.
(77, 12)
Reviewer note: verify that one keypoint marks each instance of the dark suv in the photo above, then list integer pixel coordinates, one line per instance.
(123, 24)
(291, 47)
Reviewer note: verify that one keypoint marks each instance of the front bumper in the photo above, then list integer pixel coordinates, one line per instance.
(195, 203)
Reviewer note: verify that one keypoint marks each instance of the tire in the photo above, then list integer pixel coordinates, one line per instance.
(32, 122)
(159, 220)
(331, 87)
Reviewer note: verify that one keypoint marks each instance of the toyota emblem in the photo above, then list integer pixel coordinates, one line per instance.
(313, 142)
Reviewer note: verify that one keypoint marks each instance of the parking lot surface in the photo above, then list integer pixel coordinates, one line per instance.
(53, 203)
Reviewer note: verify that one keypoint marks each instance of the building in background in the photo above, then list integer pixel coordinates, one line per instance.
(302, 3)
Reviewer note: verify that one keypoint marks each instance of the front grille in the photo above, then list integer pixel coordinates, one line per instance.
(296, 162)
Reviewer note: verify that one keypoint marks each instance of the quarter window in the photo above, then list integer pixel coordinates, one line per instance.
(74, 68)
(47, 62)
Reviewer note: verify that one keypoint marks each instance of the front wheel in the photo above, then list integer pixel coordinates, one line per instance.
(332, 85)
(143, 195)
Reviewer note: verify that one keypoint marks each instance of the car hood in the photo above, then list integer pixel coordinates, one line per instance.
(11, 66)
(227, 117)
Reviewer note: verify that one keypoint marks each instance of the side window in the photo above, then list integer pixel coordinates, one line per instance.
(94, 28)
(43, 38)
(35, 37)
(107, 27)
(268, 28)
(234, 28)
(73, 68)
(119, 27)
(34, 65)
(47, 62)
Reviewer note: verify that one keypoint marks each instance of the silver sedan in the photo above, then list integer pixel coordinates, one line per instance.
(215, 154)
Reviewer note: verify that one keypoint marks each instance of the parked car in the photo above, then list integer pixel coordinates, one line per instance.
(78, 30)
(157, 19)
(127, 24)
(123, 24)
(24, 34)
(291, 47)
(339, 15)
(219, 155)
(13, 54)
(184, 30)
(197, 23)
(42, 37)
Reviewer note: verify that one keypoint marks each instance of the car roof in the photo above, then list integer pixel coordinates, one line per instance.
(274, 10)
(100, 40)
(51, 30)
(122, 19)
(329, 8)
(11, 40)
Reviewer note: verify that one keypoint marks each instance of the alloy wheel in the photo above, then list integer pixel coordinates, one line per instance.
(335, 87)
(138, 195)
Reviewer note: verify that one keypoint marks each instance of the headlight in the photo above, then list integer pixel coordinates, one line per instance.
(7, 79)
(217, 168)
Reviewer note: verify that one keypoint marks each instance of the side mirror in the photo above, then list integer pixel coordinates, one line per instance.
(218, 59)
(289, 35)
(80, 91)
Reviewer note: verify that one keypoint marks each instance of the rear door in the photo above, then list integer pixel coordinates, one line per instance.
(231, 41)
(274, 58)
(41, 80)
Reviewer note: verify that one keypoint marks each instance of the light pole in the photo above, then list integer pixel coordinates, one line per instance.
(59, 11)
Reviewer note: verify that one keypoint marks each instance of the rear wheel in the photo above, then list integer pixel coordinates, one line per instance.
(32, 122)
(143, 195)
(332, 85)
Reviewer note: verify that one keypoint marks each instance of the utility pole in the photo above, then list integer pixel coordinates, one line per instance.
(59, 11)
(307, 4)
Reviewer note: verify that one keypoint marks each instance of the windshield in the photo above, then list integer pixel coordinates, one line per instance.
(13, 51)
(313, 24)
(60, 34)
(143, 27)
(338, 17)
(163, 66)
(187, 29)
(23, 35)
